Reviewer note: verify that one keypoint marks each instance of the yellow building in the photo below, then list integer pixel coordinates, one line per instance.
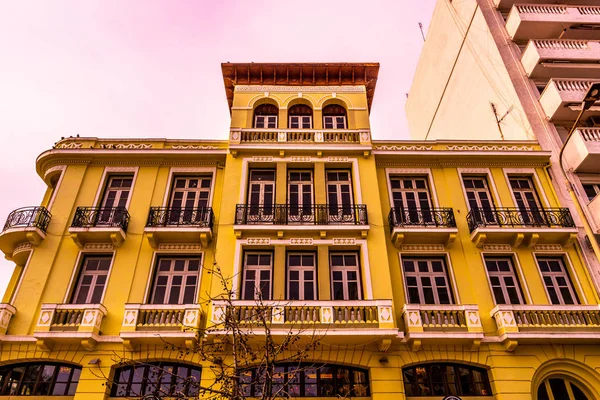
(428, 268)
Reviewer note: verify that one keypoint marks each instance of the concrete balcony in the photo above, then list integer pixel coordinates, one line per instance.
(562, 100)
(582, 152)
(441, 323)
(179, 225)
(422, 226)
(506, 5)
(561, 58)
(6, 313)
(548, 21)
(24, 228)
(99, 225)
(176, 324)
(351, 319)
(546, 323)
(515, 226)
(69, 324)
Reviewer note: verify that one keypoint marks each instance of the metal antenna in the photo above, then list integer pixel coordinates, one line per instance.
(421, 28)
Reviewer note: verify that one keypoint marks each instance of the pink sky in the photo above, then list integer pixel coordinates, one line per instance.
(115, 68)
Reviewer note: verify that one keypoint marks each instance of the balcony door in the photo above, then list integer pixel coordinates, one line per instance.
(339, 197)
(261, 196)
(115, 195)
(345, 276)
(527, 200)
(410, 196)
(300, 196)
(189, 200)
(479, 199)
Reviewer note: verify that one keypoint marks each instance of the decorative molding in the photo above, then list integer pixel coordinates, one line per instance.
(337, 159)
(489, 148)
(258, 241)
(23, 247)
(497, 247)
(300, 89)
(548, 247)
(179, 246)
(344, 241)
(262, 159)
(402, 148)
(423, 247)
(193, 147)
(70, 145)
(301, 159)
(99, 246)
(301, 241)
(126, 146)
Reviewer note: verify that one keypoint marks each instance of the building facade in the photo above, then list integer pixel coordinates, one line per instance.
(427, 268)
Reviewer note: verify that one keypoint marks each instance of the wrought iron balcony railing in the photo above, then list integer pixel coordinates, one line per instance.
(202, 217)
(91, 217)
(316, 214)
(424, 217)
(517, 217)
(35, 217)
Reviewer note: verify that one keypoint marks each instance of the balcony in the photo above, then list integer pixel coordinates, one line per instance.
(507, 4)
(422, 226)
(441, 323)
(24, 228)
(99, 225)
(352, 319)
(316, 217)
(562, 58)
(515, 225)
(562, 100)
(582, 152)
(6, 313)
(179, 225)
(544, 323)
(160, 324)
(69, 324)
(548, 21)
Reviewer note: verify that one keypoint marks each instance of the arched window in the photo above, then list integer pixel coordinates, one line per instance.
(560, 389)
(265, 116)
(300, 117)
(334, 117)
(446, 379)
(159, 379)
(307, 380)
(39, 379)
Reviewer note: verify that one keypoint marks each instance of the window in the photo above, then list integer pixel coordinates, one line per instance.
(479, 199)
(160, 379)
(115, 195)
(557, 281)
(257, 276)
(527, 200)
(339, 196)
(261, 195)
(302, 274)
(39, 379)
(307, 380)
(300, 117)
(560, 389)
(92, 280)
(410, 196)
(300, 196)
(504, 282)
(345, 276)
(189, 199)
(334, 117)
(176, 280)
(591, 190)
(446, 380)
(426, 281)
(265, 116)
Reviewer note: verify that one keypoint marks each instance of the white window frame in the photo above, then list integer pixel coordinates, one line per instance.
(115, 171)
(344, 269)
(300, 120)
(262, 186)
(415, 190)
(70, 292)
(257, 269)
(95, 275)
(412, 172)
(175, 172)
(301, 183)
(535, 181)
(484, 178)
(170, 274)
(432, 275)
(301, 269)
(484, 172)
(334, 122)
(266, 121)
(564, 273)
(501, 274)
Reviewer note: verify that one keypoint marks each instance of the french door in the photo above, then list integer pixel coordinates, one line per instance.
(261, 196)
(300, 196)
(410, 196)
(115, 195)
(339, 197)
(479, 199)
(527, 200)
(189, 200)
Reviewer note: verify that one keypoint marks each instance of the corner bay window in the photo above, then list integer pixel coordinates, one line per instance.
(426, 281)
(257, 276)
(160, 379)
(306, 380)
(446, 380)
(176, 280)
(92, 279)
(39, 379)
